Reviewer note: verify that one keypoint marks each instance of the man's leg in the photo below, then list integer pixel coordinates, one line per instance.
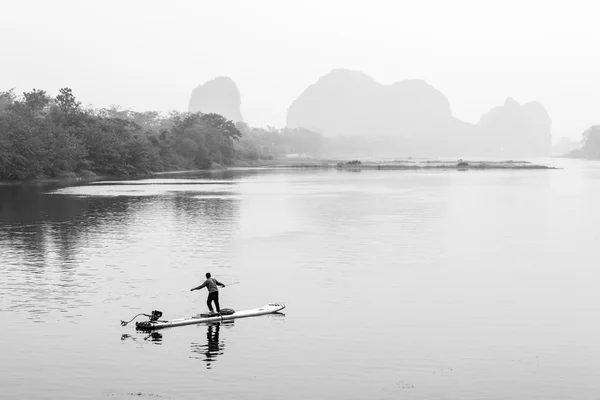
(209, 301)
(217, 301)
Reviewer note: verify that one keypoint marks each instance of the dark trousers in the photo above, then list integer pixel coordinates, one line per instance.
(213, 296)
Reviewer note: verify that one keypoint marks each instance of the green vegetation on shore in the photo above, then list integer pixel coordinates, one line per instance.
(55, 137)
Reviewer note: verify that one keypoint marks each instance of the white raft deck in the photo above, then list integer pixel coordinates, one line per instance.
(270, 308)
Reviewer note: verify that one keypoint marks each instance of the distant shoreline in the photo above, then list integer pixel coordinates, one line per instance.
(351, 165)
(401, 164)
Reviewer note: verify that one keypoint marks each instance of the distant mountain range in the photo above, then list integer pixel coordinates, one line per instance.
(407, 118)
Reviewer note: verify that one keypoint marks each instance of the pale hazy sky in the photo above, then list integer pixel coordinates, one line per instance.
(149, 55)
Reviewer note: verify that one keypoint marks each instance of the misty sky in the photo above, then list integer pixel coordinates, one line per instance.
(149, 55)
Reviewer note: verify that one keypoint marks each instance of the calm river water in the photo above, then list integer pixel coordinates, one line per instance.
(398, 284)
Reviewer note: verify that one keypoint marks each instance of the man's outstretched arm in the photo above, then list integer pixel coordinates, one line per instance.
(198, 287)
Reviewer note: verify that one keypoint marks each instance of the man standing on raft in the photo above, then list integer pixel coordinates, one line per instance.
(213, 292)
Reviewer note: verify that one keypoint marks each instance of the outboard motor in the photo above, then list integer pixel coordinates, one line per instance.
(155, 315)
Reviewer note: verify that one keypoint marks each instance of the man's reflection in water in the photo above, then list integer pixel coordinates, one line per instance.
(214, 347)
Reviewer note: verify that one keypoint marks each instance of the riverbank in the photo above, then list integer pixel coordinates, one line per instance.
(354, 165)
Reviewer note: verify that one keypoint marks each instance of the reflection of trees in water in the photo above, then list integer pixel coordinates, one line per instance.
(28, 204)
(35, 222)
(46, 237)
(31, 217)
(42, 234)
(213, 348)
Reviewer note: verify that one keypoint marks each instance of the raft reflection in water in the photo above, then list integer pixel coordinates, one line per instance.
(152, 337)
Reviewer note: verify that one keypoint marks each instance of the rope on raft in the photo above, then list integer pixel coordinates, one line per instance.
(123, 323)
